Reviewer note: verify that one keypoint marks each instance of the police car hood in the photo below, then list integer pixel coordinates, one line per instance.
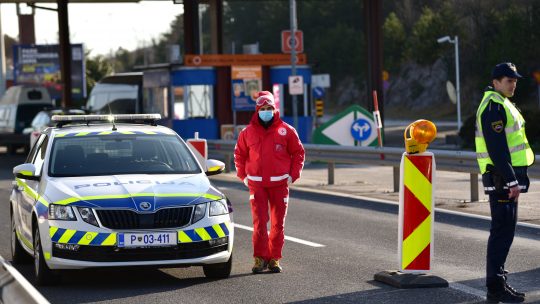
(138, 192)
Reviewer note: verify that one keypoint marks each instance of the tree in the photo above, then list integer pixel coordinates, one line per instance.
(96, 68)
(393, 40)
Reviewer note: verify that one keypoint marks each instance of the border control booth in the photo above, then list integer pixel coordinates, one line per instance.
(214, 94)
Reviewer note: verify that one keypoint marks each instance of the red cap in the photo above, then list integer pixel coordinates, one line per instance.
(264, 98)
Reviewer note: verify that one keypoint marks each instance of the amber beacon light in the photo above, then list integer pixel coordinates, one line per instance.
(418, 135)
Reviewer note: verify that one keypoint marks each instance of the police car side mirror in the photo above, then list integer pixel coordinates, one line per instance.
(214, 167)
(25, 171)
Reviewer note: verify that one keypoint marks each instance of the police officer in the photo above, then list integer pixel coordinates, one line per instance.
(503, 154)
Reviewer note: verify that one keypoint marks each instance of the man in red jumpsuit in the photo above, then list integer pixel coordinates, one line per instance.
(268, 157)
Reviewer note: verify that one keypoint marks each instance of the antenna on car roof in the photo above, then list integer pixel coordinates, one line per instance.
(111, 117)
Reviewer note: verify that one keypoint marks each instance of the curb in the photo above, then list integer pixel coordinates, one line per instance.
(14, 288)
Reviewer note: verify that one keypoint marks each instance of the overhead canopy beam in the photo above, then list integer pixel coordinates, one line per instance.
(72, 1)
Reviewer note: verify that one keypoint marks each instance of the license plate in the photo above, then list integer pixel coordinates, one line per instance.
(147, 239)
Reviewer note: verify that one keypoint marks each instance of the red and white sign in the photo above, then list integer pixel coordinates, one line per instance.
(296, 85)
(199, 147)
(286, 41)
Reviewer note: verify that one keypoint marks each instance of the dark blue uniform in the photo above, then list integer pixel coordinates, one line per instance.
(504, 211)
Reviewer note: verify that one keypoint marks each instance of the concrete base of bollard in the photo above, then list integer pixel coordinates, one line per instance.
(410, 280)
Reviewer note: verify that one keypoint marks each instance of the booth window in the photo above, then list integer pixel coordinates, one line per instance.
(196, 102)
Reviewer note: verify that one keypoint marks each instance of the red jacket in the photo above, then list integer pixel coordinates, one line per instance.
(267, 157)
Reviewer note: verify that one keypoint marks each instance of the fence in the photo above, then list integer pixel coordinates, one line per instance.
(446, 160)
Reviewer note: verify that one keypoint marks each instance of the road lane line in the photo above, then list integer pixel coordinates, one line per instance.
(469, 290)
(288, 238)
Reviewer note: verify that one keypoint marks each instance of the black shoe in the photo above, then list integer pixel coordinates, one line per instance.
(504, 296)
(274, 267)
(510, 288)
(514, 291)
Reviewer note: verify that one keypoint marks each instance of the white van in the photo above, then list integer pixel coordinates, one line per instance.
(117, 94)
(18, 107)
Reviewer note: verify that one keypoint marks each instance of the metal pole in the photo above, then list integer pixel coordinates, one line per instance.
(2, 59)
(538, 95)
(292, 9)
(65, 52)
(456, 46)
(474, 187)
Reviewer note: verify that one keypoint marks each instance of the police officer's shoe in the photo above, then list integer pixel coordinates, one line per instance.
(259, 266)
(510, 288)
(274, 267)
(504, 296)
(514, 291)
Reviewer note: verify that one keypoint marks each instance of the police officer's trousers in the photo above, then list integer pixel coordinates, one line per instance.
(503, 226)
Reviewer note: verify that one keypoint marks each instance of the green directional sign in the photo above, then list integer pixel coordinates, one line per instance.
(352, 127)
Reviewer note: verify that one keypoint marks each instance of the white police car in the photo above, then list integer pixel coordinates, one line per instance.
(117, 194)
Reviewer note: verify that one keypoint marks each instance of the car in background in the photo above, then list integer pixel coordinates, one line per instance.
(42, 120)
(117, 191)
(18, 106)
(117, 94)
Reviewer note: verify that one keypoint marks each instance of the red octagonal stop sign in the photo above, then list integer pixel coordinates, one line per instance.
(286, 41)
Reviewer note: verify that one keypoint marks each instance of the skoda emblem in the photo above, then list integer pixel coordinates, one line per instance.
(145, 205)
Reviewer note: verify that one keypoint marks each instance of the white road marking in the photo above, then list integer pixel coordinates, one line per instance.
(467, 289)
(288, 238)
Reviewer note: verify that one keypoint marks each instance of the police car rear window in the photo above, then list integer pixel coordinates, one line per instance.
(120, 154)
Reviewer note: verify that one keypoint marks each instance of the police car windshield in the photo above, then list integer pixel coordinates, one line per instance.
(120, 154)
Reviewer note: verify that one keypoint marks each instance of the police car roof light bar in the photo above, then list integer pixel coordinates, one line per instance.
(62, 120)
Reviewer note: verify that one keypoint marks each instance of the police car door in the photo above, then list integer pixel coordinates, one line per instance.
(27, 201)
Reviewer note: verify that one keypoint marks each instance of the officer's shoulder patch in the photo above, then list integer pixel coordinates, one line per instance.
(497, 126)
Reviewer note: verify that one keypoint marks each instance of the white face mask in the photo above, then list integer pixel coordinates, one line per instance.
(266, 115)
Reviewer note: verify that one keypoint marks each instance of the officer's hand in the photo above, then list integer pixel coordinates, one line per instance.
(246, 181)
(514, 193)
(289, 180)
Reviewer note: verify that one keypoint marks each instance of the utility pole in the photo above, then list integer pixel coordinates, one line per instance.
(373, 24)
(65, 52)
(2, 58)
(292, 9)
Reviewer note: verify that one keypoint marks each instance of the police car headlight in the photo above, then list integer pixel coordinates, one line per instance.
(87, 214)
(60, 212)
(218, 207)
(199, 213)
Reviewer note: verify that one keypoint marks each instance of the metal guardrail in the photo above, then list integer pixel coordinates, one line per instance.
(14, 288)
(446, 160)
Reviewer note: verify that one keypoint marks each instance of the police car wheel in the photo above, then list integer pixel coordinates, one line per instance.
(18, 255)
(43, 274)
(219, 270)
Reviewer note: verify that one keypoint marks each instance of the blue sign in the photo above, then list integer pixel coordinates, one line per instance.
(39, 64)
(318, 92)
(361, 129)
(242, 100)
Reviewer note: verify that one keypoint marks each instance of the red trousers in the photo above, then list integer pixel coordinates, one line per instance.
(262, 200)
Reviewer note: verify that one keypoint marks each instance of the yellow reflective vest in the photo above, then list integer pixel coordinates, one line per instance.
(520, 151)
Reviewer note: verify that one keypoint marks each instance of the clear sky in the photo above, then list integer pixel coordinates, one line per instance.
(100, 27)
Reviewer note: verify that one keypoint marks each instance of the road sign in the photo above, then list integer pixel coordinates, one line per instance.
(286, 41)
(296, 85)
(339, 130)
(318, 92)
(320, 80)
(361, 129)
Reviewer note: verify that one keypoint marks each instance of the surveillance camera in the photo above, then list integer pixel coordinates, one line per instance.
(443, 39)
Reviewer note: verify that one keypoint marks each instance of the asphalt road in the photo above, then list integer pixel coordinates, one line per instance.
(359, 238)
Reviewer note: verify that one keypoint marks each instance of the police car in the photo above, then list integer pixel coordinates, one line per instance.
(117, 190)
